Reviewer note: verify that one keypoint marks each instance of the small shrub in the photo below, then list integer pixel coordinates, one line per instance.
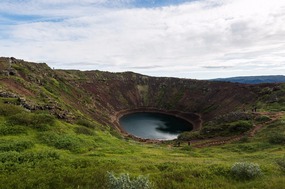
(187, 148)
(10, 156)
(9, 109)
(67, 142)
(262, 118)
(229, 127)
(240, 126)
(277, 138)
(41, 119)
(35, 121)
(245, 170)
(23, 118)
(17, 157)
(212, 130)
(86, 123)
(244, 139)
(83, 130)
(232, 117)
(64, 141)
(12, 130)
(124, 181)
(220, 170)
(7, 145)
(189, 136)
(281, 164)
(39, 156)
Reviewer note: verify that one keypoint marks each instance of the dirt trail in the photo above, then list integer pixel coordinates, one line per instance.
(214, 142)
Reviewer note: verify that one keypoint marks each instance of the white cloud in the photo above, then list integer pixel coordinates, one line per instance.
(201, 39)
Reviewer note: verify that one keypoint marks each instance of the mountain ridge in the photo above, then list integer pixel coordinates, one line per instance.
(253, 79)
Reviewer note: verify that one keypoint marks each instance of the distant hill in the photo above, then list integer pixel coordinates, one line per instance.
(254, 79)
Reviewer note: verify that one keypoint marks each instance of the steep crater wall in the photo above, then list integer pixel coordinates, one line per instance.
(103, 95)
(129, 91)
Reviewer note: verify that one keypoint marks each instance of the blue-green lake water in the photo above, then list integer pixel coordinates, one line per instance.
(154, 125)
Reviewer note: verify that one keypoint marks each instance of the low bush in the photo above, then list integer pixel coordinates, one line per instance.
(277, 138)
(9, 109)
(63, 141)
(227, 125)
(13, 101)
(281, 164)
(23, 118)
(232, 117)
(244, 139)
(212, 130)
(186, 136)
(7, 145)
(83, 130)
(124, 181)
(12, 130)
(39, 156)
(35, 121)
(187, 148)
(40, 119)
(245, 171)
(262, 118)
(240, 126)
(17, 157)
(85, 123)
(10, 156)
(220, 170)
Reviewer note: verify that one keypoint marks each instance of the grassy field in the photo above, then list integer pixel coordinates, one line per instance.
(39, 151)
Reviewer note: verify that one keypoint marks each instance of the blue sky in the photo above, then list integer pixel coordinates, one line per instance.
(178, 38)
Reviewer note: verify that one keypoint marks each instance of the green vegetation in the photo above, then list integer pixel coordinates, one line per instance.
(51, 139)
(277, 138)
(81, 155)
(9, 109)
(40, 122)
(86, 123)
(281, 164)
(125, 182)
(227, 125)
(262, 118)
(245, 170)
(19, 146)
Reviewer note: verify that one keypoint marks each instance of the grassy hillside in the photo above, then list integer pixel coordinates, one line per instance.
(48, 153)
(56, 130)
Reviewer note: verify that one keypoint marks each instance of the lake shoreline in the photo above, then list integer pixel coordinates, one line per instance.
(192, 118)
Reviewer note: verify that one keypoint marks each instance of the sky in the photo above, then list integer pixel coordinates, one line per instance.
(198, 39)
